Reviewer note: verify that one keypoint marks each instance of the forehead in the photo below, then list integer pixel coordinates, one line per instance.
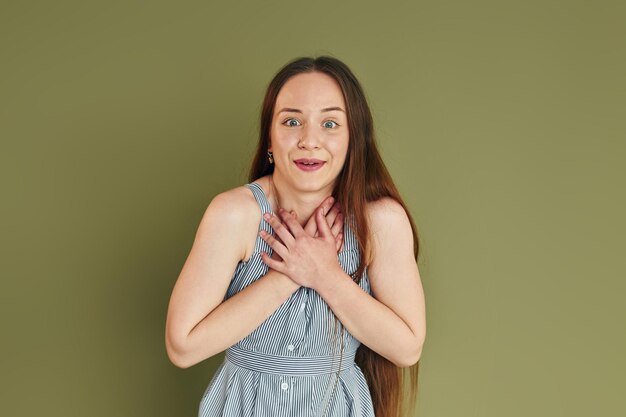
(310, 90)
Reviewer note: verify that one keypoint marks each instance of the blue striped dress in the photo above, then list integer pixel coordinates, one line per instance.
(285, 367)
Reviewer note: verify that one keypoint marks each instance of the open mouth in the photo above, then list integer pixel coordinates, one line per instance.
(309, 166)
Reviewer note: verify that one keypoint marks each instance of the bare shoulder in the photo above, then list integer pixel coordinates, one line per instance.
(388, 222)
(239, 198)
(234, 205)
(234, 212)
(384, 213)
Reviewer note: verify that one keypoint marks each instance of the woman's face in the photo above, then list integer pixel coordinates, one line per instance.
(309, 122)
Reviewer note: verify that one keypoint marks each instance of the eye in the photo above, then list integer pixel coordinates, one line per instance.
(288, 122)
(330, 121)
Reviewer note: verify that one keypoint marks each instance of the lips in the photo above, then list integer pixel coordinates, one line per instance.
(308, 161)
(309, 164)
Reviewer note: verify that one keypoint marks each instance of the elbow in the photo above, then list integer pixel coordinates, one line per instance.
(180, 361)
(176, 357)
(416, 357)
(182, 351)
(406, 362)
(177, 353)
(411, 358)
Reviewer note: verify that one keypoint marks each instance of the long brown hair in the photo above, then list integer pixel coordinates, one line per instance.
(363, 178)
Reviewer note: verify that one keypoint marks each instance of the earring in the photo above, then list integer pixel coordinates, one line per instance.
(270, 157)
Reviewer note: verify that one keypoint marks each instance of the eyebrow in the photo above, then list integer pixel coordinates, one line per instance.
(290, 110)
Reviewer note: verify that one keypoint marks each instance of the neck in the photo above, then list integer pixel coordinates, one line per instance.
(303, 202)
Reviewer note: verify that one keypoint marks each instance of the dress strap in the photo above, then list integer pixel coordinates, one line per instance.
(350, 240)
(264, 205)
(260, 196)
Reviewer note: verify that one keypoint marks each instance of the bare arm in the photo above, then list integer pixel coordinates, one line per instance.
(200, 323)
(392, 321)
(232, 320)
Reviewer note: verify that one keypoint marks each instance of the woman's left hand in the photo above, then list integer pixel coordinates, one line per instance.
(306, 259)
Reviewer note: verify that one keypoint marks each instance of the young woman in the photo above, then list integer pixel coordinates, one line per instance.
(318, 243)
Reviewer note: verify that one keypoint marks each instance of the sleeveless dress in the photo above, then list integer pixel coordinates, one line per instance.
(285, 367)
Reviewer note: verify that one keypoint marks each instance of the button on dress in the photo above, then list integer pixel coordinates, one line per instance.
(285, 367)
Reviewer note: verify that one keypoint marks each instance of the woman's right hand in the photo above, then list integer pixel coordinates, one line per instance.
(334, 218)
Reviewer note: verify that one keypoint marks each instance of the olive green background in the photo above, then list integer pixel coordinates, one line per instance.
(502, 123)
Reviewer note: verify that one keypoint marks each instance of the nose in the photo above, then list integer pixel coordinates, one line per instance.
(309, 139)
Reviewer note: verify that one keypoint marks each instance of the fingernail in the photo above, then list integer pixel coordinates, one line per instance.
(267, 216)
